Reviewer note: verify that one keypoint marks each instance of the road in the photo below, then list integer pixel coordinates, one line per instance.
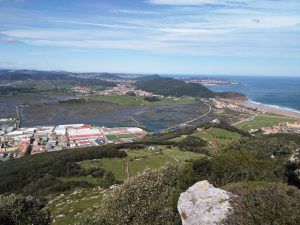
(190, 121)
(247, 120)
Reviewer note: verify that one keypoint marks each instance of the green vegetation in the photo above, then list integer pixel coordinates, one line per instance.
(129, 203)
(182, 156)
(116, 166)
(29, 81)
(75, 206)
(265, 120)
(152, 157)
(20, 210)
(172, 87)
(193, 144)
(150, 175)
(139, 165)
(112, 138)
(37, 174)
(264, 203)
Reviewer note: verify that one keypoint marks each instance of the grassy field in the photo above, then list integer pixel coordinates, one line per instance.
(73, 207)
(150, 162)
(265, 120)
(88, 179)
(138, 101)
(221, 136)
(136, 161)
(116, 166)
(181, 156)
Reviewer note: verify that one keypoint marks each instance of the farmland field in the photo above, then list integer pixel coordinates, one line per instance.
(260, 121)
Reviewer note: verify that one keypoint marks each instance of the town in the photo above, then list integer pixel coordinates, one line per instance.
(15, 143)
(210, 81)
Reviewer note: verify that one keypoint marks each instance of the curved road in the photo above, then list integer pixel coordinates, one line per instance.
(190, 121)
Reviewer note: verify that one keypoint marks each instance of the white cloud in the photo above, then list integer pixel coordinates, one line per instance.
(183, 2)
(190, 30)
(137, 12)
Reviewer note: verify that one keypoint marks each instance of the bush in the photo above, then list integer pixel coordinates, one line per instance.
(152, 99)
(194, 144)
(143, 199)
(17, 174)
(20, 210)
(237, 166)
(264, 203)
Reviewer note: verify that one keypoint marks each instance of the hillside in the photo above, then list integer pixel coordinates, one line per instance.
(66, 77)
(173, 87)
(75, 186)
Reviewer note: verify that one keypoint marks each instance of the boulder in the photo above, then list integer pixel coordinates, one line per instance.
(203, 204)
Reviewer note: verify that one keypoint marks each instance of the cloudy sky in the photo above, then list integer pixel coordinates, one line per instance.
(234, 37)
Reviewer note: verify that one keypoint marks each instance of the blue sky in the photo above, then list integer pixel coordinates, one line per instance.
(234, 37)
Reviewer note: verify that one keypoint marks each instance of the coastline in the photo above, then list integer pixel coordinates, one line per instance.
(269, 109)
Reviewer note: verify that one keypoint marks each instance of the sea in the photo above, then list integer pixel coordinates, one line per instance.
(277, 92)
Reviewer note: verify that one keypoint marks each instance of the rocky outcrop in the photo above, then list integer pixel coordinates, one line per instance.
(295, 158)
(295, 161)
(203, 204)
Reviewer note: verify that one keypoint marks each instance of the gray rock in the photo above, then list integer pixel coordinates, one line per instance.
(203, 204)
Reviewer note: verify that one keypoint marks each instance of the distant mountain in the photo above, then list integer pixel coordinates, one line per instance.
(148, 78)
(110, 76)
(66, 77)
(173, 87)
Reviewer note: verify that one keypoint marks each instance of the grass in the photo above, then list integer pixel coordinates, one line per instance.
(135, 154)
(75, 207)
(138, 100)
(136, 161)
(116, 166)
(113, 138)
(222, 137)
(220, 133)
(151, 162)
(266, 120)
(181, 156)
(89, 179)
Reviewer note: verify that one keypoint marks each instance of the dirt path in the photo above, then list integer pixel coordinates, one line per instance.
(248, 119)
(126, 167)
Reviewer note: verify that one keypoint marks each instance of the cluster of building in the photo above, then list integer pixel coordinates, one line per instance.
(210, 81)
(222, 104)
(42, 139)
(125, 89)
(289, 127)
(82, 90)
(7, 125)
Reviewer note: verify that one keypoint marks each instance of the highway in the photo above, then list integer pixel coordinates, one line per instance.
(190, 121)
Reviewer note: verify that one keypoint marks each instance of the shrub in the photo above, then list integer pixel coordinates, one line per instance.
(20, 210)
(194, 144)
(264, 203)
(236, 166)
(143, 199)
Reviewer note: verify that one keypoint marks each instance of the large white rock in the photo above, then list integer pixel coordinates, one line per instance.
(203, 204)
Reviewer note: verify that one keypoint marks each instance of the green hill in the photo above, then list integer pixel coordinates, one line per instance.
(172, 87)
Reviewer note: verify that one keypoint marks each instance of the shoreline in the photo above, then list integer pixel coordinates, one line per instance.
(269, 109)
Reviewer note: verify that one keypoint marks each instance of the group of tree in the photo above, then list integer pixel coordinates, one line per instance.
(37, 174)
(172, 87)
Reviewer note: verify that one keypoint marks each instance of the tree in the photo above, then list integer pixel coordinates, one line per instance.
(143, 199)
(20, 210)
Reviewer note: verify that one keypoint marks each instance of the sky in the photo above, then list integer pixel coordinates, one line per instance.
(200, 37)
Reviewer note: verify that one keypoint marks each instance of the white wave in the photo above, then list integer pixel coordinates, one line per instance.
(276, 106)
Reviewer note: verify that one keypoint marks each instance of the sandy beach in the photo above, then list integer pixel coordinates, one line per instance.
(269, 109)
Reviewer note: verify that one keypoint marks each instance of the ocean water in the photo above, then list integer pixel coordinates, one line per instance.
(279, 92)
